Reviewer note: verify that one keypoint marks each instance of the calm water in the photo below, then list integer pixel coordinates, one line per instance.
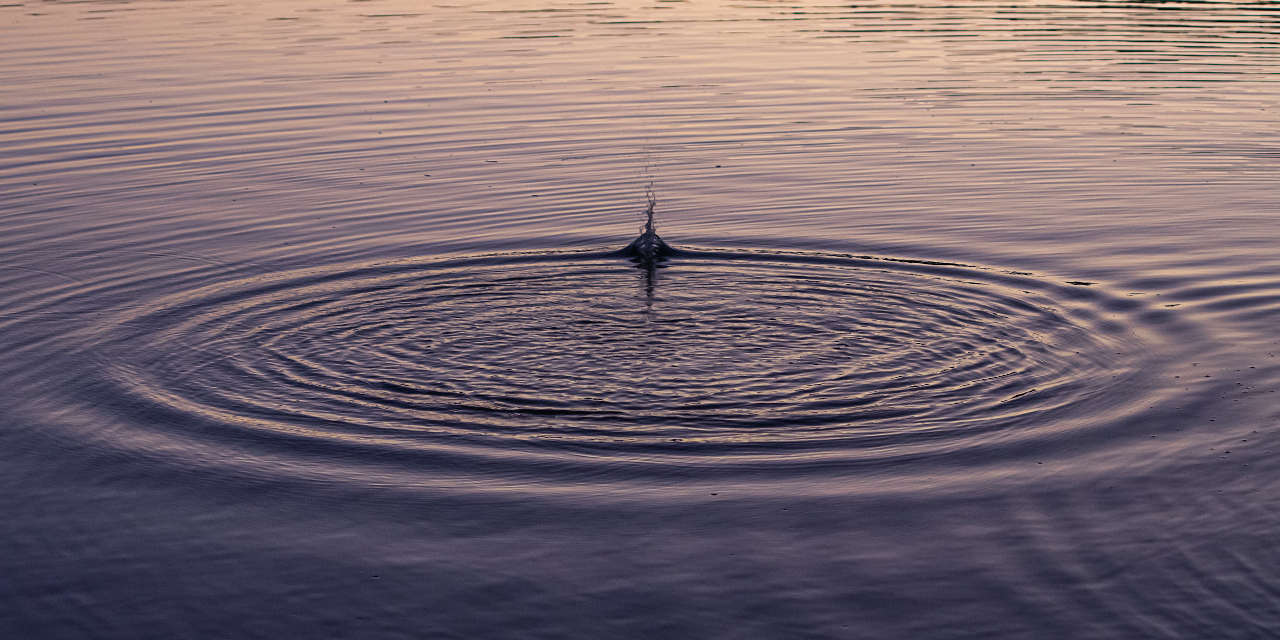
(313, 322)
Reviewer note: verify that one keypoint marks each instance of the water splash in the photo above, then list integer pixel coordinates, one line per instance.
(648, 249)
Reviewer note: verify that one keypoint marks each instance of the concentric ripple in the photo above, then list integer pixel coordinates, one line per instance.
(576, 364)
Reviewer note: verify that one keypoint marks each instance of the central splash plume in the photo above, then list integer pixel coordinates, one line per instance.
(648, 249)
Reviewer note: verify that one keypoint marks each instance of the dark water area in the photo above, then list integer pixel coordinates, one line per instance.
(317, 322)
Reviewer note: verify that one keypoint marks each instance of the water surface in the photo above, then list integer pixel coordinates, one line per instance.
(315, 322)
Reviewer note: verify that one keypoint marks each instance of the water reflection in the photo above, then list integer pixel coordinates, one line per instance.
(322, 303)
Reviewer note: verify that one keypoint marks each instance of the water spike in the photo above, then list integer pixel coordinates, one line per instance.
(648, 249)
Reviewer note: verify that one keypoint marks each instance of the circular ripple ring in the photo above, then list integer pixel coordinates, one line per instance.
(573, 365)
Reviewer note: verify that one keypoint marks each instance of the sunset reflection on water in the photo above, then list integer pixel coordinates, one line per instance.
(315, 311)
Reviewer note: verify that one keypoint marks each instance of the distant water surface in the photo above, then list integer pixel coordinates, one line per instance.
(314, 324)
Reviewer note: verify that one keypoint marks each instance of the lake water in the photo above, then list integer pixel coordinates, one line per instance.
(314, 323)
